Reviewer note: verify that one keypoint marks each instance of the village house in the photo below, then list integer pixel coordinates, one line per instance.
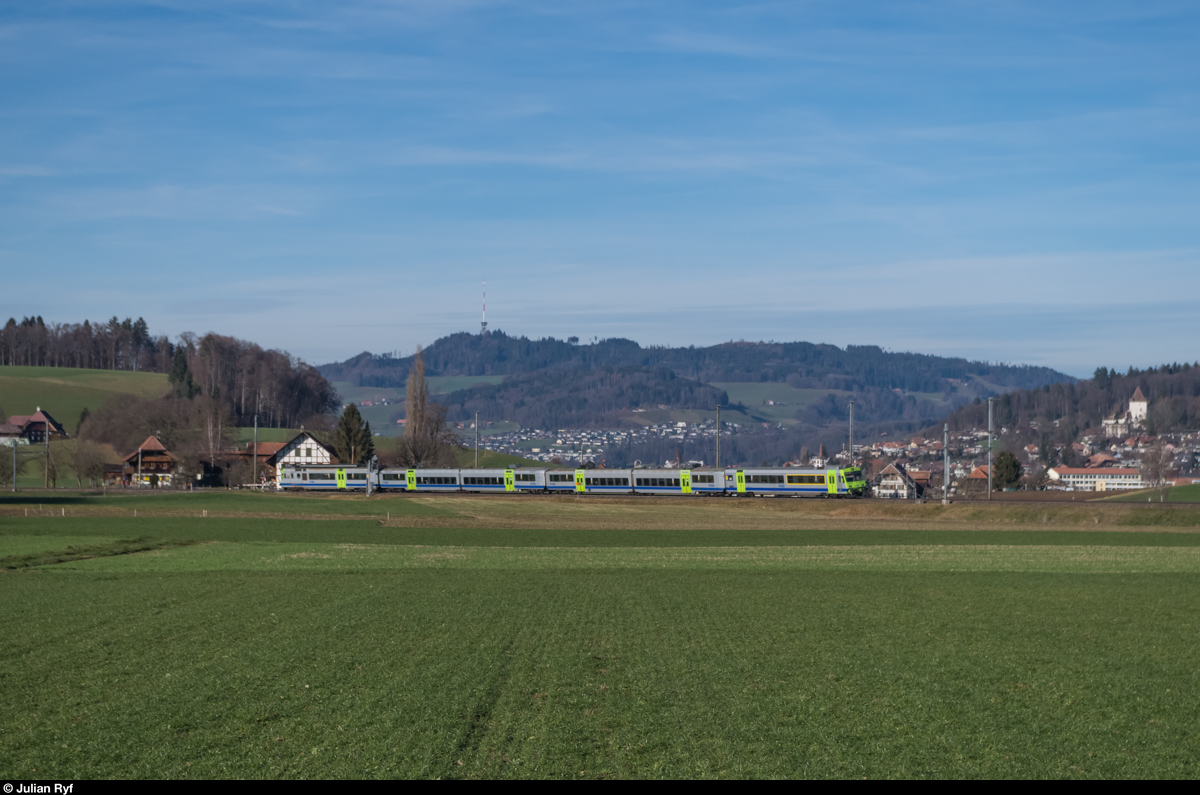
(303, 449)
(32, 428)
(150, 466)
(895, 483)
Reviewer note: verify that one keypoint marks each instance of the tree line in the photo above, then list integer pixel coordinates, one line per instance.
(116, 345)
(1064, 411)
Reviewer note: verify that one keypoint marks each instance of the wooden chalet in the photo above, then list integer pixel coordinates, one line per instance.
(150, 466)
(34, 427)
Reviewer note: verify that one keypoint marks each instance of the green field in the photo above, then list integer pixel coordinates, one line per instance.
(65, 392)
(1189, 493)
(474, 637)
(267, 434)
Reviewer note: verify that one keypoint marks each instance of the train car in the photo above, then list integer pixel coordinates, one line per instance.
(607, 481)
(324, 477)
(678, 481)
(427, 480)
(590, 481)
(529, 479)
(563, 480)
(794, 482)
(498, 480)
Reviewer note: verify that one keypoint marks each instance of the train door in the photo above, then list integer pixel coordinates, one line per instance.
(510, 481)
(831, 481)
(341, 478)
(685, 481)
(410, 480)
(741, 481)
(580, 480)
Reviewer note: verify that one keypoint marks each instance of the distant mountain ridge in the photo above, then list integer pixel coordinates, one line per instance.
(803, 364)
(559, 383)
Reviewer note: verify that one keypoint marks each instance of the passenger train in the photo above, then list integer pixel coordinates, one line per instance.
(760, 481)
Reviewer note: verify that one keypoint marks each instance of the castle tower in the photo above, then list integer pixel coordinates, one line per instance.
(1138, 406)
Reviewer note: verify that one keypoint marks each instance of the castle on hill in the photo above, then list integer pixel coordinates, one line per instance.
(1134, 418)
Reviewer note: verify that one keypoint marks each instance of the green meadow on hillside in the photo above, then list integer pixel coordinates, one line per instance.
(65, 391)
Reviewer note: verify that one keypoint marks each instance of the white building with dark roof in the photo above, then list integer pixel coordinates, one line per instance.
(1129, 420)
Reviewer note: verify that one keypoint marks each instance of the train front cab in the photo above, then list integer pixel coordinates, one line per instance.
(855, 483)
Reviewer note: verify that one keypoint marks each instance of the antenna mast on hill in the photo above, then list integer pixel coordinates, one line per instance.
(483, 325)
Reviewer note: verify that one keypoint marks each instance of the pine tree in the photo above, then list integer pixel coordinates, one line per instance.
(180, 377)
(353, 439)
(1007, 471)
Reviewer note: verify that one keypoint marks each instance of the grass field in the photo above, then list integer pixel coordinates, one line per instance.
(1188, 493)
(336, 637)
(65, 391)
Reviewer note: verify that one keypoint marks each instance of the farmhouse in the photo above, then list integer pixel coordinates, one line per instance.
(151, 465)
(33, 428)
(303, 449)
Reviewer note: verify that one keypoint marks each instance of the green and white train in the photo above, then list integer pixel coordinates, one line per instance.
(748, 481)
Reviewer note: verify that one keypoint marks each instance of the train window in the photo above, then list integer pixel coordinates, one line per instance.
(819, 479)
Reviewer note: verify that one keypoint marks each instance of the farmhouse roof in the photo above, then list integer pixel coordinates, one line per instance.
(1138, 397)
(979, 473)
(151, 445)
(23, 421)
(10, 430)
(266, 448)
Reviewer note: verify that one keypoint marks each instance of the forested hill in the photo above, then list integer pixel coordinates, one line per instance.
(801, 365)
(1063, 411)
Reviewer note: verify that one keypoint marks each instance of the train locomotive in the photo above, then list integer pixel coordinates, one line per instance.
(731, 481)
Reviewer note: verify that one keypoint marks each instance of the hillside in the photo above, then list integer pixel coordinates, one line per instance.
(800, 364)
(1064, 411)
(807, 387)
(65, 392)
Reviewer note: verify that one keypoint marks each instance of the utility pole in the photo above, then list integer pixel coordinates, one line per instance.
(477, 433)
(46, 434)
(14, 447)
(990, 447)
(139, 476)
(851, 433)
(946, 464)
(254, 470)
(718, 437)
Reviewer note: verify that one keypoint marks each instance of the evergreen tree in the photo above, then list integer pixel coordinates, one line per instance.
(83, 415)
(180, 377)
(352, 439)
(1007, 471)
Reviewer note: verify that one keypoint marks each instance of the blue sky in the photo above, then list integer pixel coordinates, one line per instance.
(1006, 181)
